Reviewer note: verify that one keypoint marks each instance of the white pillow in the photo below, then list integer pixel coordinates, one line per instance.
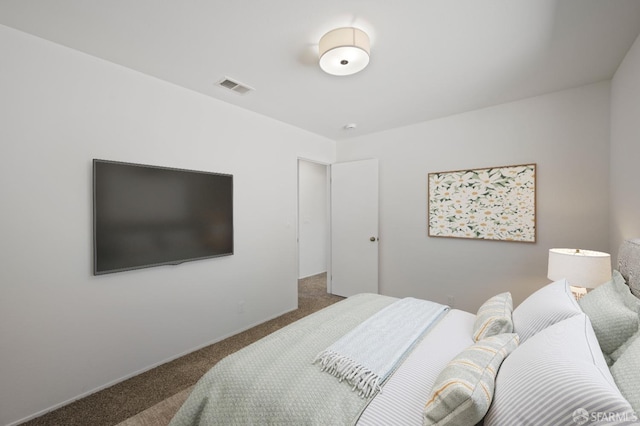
(558, 377)
(547, 306)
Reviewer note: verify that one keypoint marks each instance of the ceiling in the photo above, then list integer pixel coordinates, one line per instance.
(429, 58)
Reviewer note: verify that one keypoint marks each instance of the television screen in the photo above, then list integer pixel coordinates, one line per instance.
(148, 216)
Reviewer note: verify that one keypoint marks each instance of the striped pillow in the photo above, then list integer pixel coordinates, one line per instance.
(463, 391)
(494, 317)
(558, 377)
(547, 306)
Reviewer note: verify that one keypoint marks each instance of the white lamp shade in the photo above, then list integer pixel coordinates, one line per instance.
(584, 268)
(344, 51)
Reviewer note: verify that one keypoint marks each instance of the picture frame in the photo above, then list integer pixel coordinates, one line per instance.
(491, 203)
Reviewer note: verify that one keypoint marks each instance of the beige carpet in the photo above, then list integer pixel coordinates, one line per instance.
(152, 398)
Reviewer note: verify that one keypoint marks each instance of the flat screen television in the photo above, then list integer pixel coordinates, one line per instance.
(147, 216)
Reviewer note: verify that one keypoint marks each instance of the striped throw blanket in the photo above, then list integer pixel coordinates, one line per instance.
(368, 354)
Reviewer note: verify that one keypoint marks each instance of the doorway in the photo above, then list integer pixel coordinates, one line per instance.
(313, 220)
(338, 225)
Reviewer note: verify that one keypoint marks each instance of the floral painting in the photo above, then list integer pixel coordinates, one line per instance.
(497, 203)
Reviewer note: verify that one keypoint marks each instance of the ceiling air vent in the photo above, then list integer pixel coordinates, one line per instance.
(235, 86)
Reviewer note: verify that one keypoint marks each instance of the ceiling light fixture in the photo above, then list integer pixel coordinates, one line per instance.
(344, 51)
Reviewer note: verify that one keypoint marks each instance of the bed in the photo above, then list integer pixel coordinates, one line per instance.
(377, 360)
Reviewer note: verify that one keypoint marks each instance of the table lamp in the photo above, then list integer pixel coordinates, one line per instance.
(583, 269)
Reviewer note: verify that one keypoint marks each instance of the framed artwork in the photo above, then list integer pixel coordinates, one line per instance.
(494, 203)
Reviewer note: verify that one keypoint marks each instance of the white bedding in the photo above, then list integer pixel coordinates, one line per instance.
(402, 399)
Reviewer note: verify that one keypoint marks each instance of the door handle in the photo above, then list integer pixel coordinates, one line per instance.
(372, 239)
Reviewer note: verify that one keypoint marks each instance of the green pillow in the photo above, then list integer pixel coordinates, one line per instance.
(625, 373)
(615, 316)
(494, 317)
(462, 393)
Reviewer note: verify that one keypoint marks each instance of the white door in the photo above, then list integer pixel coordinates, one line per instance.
(354, 227)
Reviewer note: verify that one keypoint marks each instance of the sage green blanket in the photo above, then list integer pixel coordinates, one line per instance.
(273, 381)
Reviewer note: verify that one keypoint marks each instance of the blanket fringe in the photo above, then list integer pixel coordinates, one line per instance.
(344, 368)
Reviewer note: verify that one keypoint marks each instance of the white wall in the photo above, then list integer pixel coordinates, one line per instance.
(625, 149)
(565, 133)
(64, 332)
(313, 218)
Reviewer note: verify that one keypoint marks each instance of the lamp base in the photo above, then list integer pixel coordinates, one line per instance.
(579, 292)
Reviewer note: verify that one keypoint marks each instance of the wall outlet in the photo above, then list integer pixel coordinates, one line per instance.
(241, 307)
(451, 301)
